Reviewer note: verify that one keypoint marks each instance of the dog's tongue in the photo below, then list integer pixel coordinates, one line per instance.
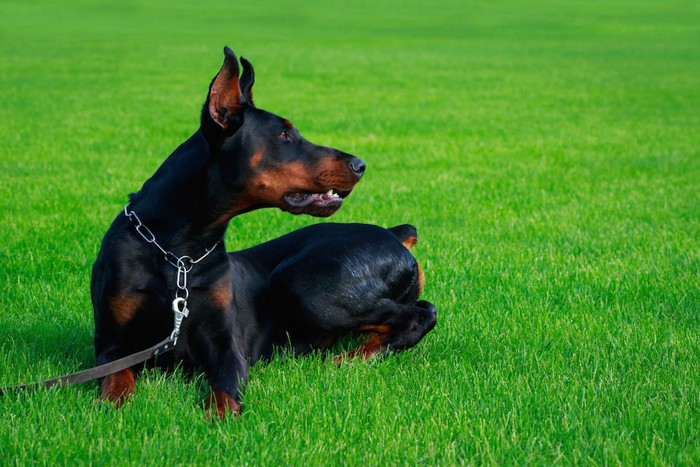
(301, 200)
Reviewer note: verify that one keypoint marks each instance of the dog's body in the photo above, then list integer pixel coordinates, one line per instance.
(168, 243)
(242, 158)
(306, 289)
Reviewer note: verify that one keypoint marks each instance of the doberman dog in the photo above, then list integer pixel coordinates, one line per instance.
(306, 289)
(168, 242)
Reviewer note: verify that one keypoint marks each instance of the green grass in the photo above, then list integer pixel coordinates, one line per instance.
(547, 152)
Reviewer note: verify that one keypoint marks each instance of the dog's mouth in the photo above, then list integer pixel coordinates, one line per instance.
(315, 204)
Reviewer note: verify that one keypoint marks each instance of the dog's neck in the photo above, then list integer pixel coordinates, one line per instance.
(174, 202)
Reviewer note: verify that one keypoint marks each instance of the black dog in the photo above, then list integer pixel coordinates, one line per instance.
(166, 251)
(306, 289)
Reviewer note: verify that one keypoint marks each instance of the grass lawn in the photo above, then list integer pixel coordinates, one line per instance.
(547, 151)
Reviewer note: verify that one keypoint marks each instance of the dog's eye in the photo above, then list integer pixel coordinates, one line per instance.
(284, 135)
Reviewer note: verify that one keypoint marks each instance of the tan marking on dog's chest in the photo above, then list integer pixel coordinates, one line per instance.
(221, 294)
(125, 305)
(221, 297)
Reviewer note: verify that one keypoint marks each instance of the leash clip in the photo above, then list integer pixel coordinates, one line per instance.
(181, 312)
(183, 264)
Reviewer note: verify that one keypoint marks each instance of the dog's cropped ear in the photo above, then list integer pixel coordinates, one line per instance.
(247, 81)
(225, 100)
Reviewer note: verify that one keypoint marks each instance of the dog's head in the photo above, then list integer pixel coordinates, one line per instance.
(265, 157)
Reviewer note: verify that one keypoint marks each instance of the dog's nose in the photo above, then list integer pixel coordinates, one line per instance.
(358, 166)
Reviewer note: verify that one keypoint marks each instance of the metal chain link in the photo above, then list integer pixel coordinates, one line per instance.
(184, 264)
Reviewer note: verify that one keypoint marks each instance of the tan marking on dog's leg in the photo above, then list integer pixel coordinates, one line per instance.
(373, 346)
(409, 242)
(118, 387)
(421, 277)
(219, 403)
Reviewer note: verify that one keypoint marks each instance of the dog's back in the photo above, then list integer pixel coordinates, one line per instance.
(309, 287)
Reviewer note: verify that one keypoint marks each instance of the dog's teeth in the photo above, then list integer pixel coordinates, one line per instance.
(330, 192)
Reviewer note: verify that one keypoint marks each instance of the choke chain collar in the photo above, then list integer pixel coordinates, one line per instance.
(183, 264)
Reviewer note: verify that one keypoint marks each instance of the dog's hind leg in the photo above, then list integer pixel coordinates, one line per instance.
(404, 328)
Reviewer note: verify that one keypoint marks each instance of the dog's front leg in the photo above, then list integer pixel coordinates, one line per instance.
(118, 387)
(227, 384)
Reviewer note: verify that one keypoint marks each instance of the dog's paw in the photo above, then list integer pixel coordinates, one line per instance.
(219, 404)
(118, 387)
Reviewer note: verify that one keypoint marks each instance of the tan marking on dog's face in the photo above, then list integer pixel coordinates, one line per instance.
(335, 173)
(268, 187)
(125, 305)
(257, 157)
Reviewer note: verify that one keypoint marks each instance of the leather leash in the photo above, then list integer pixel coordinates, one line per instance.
(184, 265)
(98, 371)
